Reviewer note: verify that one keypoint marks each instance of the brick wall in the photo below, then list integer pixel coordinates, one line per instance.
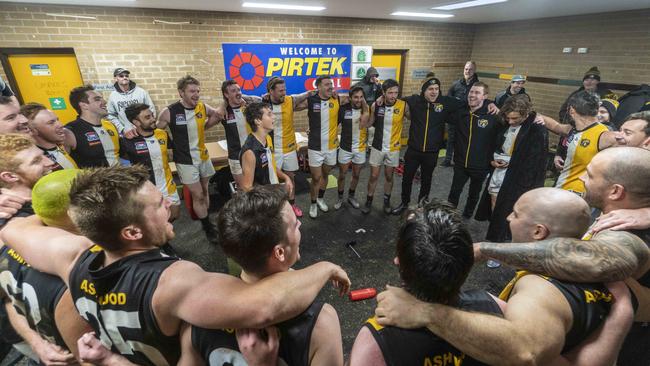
(619, 44)
(158, 54)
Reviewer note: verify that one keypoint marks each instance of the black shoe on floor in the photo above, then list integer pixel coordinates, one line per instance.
(403, 206)
(210, 230)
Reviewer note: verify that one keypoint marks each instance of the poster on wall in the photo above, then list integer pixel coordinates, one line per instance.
(361, 53)
(251, 65)
(359, 71)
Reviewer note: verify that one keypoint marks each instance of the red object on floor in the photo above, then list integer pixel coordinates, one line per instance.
(187, 197)
(363, 294)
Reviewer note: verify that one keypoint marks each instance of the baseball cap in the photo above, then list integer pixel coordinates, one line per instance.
(517, 78)
(120, 70)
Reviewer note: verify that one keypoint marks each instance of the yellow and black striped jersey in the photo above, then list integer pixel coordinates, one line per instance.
(389, 122)
(353, 137)
(187, 126)
(323, 123)
(284, 133)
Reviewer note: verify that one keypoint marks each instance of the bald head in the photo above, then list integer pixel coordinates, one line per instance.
(544, 213)
(619, 178)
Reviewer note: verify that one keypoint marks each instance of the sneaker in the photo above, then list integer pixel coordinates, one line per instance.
(366, 208)
(353, 202)
(296, 210)
(313, 210)
(387, 209)
(322, 205)
(338, 204)
(493, 264)
(399, 209)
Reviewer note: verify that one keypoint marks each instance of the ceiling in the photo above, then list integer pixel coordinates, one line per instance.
(381, 9)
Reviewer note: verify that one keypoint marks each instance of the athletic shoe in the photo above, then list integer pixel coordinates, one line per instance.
(493, 264)
(353, 202)
(296, 210)
(366, 208)
(313, 210)
(338, 204)
(322, 205)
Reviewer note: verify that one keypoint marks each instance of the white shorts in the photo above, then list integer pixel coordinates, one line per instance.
(235, 167)
(379, 158)
(318, 158)
(287, 162)
(357, 158)
(496, 181)
(190, 174)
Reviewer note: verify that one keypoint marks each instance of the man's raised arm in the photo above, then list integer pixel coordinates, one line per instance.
(214, 300)
(43, 244)
(609, 256)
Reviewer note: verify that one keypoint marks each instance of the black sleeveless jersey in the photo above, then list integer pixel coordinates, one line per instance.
(97, 146)
(237, 130)
(116, 302)
(590, 304)
(265, 172)
(24, 211)
(421, 347)
(218, 347)
(187, 126)
(323, 117)
(34, 294)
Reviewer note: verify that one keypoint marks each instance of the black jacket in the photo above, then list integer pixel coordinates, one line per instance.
(601, 91)
(526, 171)
(460, 88)
(427, 129)
(503, 95)
(476, 135)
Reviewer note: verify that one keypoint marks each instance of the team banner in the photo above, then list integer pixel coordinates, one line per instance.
(251, 65)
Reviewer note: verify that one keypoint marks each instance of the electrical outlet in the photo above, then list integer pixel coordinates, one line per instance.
(567, 50)
(583, 50)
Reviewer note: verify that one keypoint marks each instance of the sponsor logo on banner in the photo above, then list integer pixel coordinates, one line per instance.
(251, 65)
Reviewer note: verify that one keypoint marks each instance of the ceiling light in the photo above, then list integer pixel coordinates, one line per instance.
(421, 15)
(468, 4)
(282, 6)
(71, 16)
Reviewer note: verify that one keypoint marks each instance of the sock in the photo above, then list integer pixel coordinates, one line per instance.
(321, 193)
(313, 202)
(292, 202)
(351, 192)
(341, 194)
(369, 199)
(386, 197)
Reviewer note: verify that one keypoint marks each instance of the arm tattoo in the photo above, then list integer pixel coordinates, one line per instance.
(609, 256)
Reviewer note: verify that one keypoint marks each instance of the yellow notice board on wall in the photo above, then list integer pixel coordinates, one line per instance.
(45, 78)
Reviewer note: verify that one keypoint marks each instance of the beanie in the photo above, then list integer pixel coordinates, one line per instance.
(428, 82)
(593, 73)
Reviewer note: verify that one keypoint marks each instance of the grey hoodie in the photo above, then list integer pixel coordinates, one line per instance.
(118, 101)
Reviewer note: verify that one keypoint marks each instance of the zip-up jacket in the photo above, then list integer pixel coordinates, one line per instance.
(476, 135)
(119, 100)
(460, 88)
(428, 121)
